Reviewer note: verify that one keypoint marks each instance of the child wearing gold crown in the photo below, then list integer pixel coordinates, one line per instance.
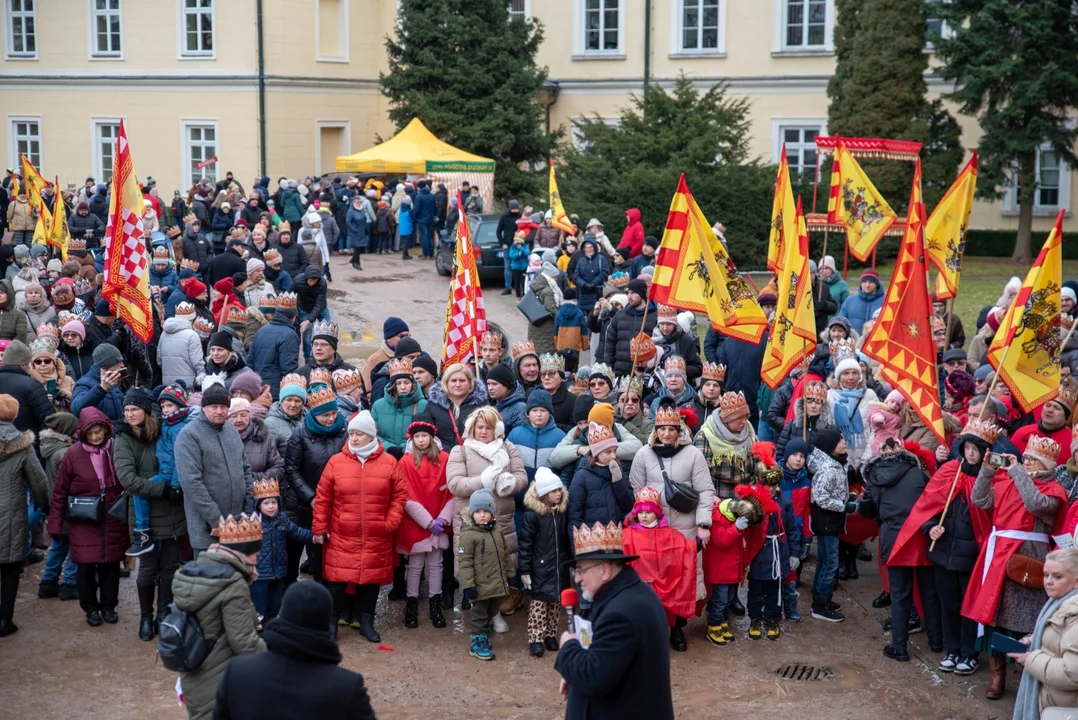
(667, 560)
(268, 590)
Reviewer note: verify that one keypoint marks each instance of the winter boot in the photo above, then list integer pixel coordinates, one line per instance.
(411, 612)
(863, 553)
(736, 606)
(47, 589)
(145, 604)
(400, 586)
(773, 630)
(436, 617)
(366, 628)
(882, 600)
(677, 639)
(142, 544)
(551, 644)
(896, 653)
(481, 649)
(997, 684)
(822, 610)
(730, 637)
(536, 649)
(715, 635)
(68, 592)
(851, 568)
(756, 629)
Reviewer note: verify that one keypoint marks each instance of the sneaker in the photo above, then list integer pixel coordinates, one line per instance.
(756, 629)
(142, 545)
(481, 649)
(914, 625)
(68, 592)
(965, 666)
(793, 615)
(500, 625)
(824, 612)
(882, 600)
(715, 635)
(948, 663)
(48, 589)
(507, 291)
(773, 630)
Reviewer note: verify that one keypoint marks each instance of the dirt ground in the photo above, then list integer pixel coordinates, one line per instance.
(57, 666)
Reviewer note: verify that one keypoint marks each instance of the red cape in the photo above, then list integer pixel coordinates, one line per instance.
(982, 599)
(426, 486)
(667, 563)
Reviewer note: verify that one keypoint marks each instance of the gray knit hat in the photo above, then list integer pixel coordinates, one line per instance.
(107, 355)
(481, 500)
(17, 354)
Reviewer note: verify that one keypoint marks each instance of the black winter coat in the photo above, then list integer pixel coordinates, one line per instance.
(743, 361)
(507, 227)
(894, 481)
(625, 673)
(197, 248)
(544, 546)
(304, 462)
(793, 429)
(34, 403)
(622, 329)
(447, 419)
(958, 549)
(595, 497)
(79, 225)
(563, 402)
(780, 405)
(311, 300)
(688, 347)
(294, 258)
(225, 265)
(298, 677)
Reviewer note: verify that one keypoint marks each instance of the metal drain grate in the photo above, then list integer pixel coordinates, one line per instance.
(804, 673)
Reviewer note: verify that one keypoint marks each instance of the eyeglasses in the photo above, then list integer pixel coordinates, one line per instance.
(550, 373)
(630, 401)
(43, 361)
(578, 572)
(593, 383)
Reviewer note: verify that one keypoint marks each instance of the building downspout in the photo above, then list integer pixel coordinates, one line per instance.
(261, 94)
(554, 89)
(647, 52)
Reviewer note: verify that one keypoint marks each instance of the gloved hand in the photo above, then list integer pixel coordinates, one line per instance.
(794, 563)
(615, 470)
(741, 523)
(526, 580)
(469, 594)
(438, 527)
(851, 508)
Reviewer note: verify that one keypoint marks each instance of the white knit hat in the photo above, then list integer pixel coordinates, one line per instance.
(254, 264)
(364, 423)
(546, 481)
(847, 364)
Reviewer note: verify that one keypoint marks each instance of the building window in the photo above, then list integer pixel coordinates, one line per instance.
(800, 148)
(200, 141)
(518, 9)
(197, 28)
(699, 24)
(806, 24)
(601, 25)
(22, 33)
(105, 28)
(935, 27)
(331, 30)
(24, 134)
(1053, 185)
(105, 133)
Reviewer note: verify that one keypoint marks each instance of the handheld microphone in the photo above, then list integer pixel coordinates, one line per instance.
(569, 601)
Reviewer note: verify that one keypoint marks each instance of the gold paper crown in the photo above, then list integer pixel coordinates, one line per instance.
(320, 375)
(400, 366)
(66, 316)
(1043, 447)
(641, 348)
(286, 301)
(294, 379)
(160, 254)
(76, 244)
(185, 308)
(713, 372)
(271, 256)
(551, 362)
(268, 301)
(1067, 395)
(522, 348)
(319, 395)
(667, 314)
(237, 314)
(816, 390)
(580, 384)
(49, 331)
(189, 264)
(266, 488)
(324, 328)
(732, 404)
(603, 370)
(648, 494)
(492, 339)
(173, 232)
(231, 531)
(598, 433)
(631, 384)
(598, 538)
(43, 346)
(842, 350)
(986, 431)
(202, 325)
(347, 380)
(619, 279)
(667, 415)
(674, 363)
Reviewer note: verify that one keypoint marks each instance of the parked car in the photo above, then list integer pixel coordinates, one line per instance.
(489, 256)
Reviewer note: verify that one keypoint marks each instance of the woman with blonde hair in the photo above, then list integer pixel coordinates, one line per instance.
(452, 400)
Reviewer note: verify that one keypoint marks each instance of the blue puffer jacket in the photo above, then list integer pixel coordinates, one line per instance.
(88, 393)
(589, 276)
(595, 497)
(406, 220)
(518, 256)
(783, 540)
(684, 399)
(536, 444)
(858, 308)
(513, 409)
(273, 558)
(274, 352)
(425, 207)
(166, 457)
(167, 279)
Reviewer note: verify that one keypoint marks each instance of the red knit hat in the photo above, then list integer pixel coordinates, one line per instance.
(193, 287)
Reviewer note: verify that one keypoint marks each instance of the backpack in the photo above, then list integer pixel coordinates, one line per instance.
(181, 644)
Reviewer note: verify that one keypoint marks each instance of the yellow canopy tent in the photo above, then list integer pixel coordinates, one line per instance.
(414, 150)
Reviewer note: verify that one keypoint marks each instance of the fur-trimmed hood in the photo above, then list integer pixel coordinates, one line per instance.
(533, 502)
(827, 414)
(12, 441)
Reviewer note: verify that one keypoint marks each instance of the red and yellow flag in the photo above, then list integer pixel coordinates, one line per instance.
(560, 219)
(901, 340)
(856, 203)
(783, 217)
(945, 232)
(793, 333)
(33, 182)
(693, 272)
(127, 257)
(59, 234)
(465, 313)
(44, 225)
(1025, 351)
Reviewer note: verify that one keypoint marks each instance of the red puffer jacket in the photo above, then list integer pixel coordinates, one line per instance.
(633, 237)
(724, 556)
(90, 542)
(360, 505)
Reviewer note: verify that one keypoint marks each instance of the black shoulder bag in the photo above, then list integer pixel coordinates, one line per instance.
(681, 497)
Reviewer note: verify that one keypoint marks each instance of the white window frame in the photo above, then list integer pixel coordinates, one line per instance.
(96, 124)
(13, 140)
(577, 137)
(946, 31)
(346, 125)
(677, 33)
(181, 33)
(186, 125)
(527, 11)
(779, 45)
(342, 34)
(1010, 199)
(778, 125)
(580, 31)
(9, 32)
(92, 13)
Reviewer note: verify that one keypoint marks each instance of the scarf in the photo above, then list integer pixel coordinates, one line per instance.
(178, 416)
(1027, 704)
(361, 452)
(319, 429)
(559, 298)
(101, 459)
(42, 304)
(492, 452)
(665, 451)
(725, 445)
(848, 417)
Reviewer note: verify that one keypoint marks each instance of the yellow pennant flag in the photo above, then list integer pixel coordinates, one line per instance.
(694, 272)
(560, 219)
(33, 183)
(14, 185)
(793, 333)
(855, 203)
(43, 227)
(783, 220)
(945, 232)
(1025, 351)
(59, 234)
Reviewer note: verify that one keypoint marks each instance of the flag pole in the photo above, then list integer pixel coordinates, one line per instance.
(950, 315)
(804, 398)
(825, 233)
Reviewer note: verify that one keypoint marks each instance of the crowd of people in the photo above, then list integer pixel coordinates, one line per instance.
(237, 450)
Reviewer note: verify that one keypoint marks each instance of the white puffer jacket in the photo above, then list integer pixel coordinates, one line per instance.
(179, 353)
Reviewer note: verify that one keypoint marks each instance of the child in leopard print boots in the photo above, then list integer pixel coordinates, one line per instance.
(543, 551)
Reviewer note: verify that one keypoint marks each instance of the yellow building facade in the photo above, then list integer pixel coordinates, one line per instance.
(186, 78)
